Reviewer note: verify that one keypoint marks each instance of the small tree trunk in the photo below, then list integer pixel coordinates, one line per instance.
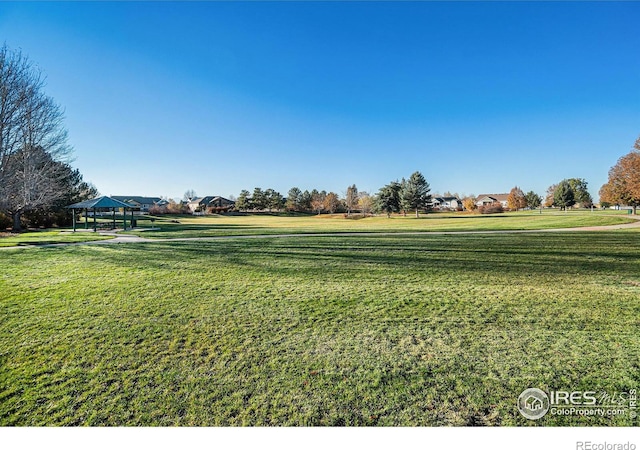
(417, 216)
(634, 209)
(17, 226)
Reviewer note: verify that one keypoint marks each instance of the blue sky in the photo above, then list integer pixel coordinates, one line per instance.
(161, 97)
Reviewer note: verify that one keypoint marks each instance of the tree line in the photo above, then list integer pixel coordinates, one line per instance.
(297, 200)
(563, 195)
(36, 179)
(410, 194)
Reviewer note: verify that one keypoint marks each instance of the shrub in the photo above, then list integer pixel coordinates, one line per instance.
(355, 216)
(469, 203)
(494, 208)
(156, 210)
(170, 208)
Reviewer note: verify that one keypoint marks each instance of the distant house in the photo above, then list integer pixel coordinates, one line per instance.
(490, 199)
(143, 203)
(210, 204)
(444, 203)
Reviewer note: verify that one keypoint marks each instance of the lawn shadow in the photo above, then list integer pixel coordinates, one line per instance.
(518, 255)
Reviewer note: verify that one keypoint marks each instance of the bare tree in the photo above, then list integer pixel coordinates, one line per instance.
(36, 182)
(32, 139)
(331, 202)
(351, 198)
(189, 195)
(365, 203)
(317, 201)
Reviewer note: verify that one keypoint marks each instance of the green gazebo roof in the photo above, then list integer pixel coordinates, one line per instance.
(100, 202)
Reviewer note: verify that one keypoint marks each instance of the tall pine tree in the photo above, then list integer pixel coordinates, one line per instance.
(415, 193)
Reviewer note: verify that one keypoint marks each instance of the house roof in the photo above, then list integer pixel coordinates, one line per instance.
(201, 200)
(221, 198)
(495, 197)
(100, 202)
(445, 199)
(208, 199)
(137, 199)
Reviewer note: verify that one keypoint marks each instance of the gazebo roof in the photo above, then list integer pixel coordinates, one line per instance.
(100, 202)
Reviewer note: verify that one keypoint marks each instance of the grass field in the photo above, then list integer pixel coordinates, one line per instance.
(360, 330)
(234, 225)
(160, 227)
(47, 237)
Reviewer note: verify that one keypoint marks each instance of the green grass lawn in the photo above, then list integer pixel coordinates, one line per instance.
(47, 237)
(255, 224)
(360, 330)
(233, 225)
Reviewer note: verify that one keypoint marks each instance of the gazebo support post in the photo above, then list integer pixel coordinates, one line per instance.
(73, 212)
(132, 218)
(86, 218)
(124, 218)
(114, 217)
(95, 224)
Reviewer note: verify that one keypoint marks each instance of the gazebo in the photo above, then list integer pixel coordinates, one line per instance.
(101, 203)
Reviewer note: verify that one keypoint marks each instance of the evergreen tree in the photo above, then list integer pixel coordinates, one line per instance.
(415, 194)
(563, 195)
(533, 200)
(293, 199)
(75, 190)
(274, 199)
(388, 198)
(581, 195)
(259, 199)
(305, 201)
(243, 202)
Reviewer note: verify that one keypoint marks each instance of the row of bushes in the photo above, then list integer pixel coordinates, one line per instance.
(171, 208)
(494, 208)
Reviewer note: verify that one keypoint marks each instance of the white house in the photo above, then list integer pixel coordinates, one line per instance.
(446, 203)
(490, 199)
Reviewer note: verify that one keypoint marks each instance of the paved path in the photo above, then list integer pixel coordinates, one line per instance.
(132, 239)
